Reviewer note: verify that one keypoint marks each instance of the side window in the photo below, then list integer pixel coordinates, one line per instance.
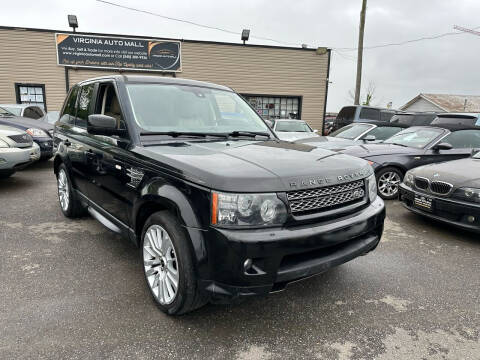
(30, 112)
(386, 115)
(84, 101)
(463, 139)
(108, 104)
(383, 132)
(370, 114)
(68, 114)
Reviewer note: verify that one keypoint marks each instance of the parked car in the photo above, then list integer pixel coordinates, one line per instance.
(360, 113)
(328, 124)
(50, 117)
(449, 191)
(25, 110)
(354, 134)
(219, 206)
(290, 130)
(40, 131)
(17, 150)
(414, 118)
(413, 147)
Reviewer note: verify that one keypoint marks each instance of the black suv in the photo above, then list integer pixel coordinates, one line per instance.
(219, 207)
(361, 113)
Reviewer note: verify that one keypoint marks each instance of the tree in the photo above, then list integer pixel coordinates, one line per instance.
(368, 97)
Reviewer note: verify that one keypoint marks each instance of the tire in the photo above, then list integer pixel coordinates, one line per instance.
(69, 204)
(388, 182)
(167, 258)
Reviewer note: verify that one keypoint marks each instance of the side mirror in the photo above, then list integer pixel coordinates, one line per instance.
(103, 125)
(369, 138)
(442, 146)
(269, 123)
(475, 152)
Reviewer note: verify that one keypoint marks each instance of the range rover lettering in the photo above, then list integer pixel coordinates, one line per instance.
(219, 207)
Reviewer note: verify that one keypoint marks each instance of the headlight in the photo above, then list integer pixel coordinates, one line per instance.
(409, 179)
(36, 132)
(468, 194)
(243, 210)
(3, 144)
(372, 187)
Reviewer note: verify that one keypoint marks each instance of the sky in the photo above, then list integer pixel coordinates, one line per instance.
(398, 73)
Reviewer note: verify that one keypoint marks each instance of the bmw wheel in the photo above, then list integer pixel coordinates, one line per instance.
(388, 182)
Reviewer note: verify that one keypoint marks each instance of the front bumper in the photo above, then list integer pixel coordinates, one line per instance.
(283, 255)
(448, 210)
(15, 158)
(46, 146)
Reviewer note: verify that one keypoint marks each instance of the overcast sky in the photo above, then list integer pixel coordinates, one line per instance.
(444, 65)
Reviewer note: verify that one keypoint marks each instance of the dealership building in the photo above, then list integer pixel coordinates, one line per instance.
(39, 66)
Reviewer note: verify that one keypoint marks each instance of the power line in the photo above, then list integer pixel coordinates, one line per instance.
(432, 37)
(193, 23)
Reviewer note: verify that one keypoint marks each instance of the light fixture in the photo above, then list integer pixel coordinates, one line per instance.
(245, 35)
(72, 22)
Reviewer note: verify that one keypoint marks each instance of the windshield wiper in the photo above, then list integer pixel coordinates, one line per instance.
(238, 133)
(393, 143)
(182, 133)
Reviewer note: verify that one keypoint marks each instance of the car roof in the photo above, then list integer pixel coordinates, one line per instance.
(157, 79)
(19, 106)
(460, 115)
(289, 120)
(448, 127)
(380, 123)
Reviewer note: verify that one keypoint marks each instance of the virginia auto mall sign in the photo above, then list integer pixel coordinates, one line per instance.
(119, 53)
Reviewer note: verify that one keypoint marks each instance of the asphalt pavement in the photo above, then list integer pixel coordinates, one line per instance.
(71, 289)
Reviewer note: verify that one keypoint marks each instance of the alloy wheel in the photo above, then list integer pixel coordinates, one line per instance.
(63, 190)
(388, 183)
(160, 263)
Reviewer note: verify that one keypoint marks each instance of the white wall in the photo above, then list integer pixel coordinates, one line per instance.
(422, 105)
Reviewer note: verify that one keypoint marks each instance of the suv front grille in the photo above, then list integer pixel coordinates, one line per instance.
(325, 198)
(21, 139)
(440, 187)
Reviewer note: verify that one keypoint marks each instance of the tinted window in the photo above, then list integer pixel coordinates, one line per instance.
(108, 104)
(351, 131)
(369, 114)
(403, 119)
(465, 121)
(84, 101)
(68, 115)
(463, 139)
(31, 113)
(383, 132)
(386, 115)
(347, 113)
(423, 119)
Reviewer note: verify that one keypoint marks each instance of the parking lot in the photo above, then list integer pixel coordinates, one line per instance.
(74, 289)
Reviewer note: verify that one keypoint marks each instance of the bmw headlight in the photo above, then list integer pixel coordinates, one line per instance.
(409, 179)
(243, 210)
(372, 187)
(36, 132)
(468, 194)
(3, 144)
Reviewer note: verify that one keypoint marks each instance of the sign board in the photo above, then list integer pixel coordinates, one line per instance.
(119, 53)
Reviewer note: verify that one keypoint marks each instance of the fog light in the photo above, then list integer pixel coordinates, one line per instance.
(247, 265)
(471, 219)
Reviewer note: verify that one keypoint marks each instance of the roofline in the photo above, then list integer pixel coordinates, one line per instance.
(22, 28)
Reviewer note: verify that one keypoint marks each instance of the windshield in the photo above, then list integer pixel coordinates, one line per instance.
(180, 108)
(5, 111)
(351, 132)
(292, 126)
(417, 138)
(12, 110)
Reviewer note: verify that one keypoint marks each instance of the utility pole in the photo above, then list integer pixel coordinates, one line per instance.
(358, 84)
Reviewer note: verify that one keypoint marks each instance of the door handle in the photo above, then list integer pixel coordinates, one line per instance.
(67, 143)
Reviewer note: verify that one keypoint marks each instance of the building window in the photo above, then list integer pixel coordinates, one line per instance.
(31, 94)
(276, 107)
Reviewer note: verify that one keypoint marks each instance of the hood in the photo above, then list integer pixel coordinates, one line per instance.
(330, 142)
(252, 166)
(367, 150)
(293, 135)
(25, 123)
(8, 130)
(459, 173)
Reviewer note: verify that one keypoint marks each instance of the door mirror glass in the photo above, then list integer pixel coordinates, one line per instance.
(369, 138)
(98, 124)
(442, 146)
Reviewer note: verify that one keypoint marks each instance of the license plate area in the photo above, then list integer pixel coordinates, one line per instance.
(423, 202)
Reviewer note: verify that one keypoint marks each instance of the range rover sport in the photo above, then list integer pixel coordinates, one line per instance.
(219, 206)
